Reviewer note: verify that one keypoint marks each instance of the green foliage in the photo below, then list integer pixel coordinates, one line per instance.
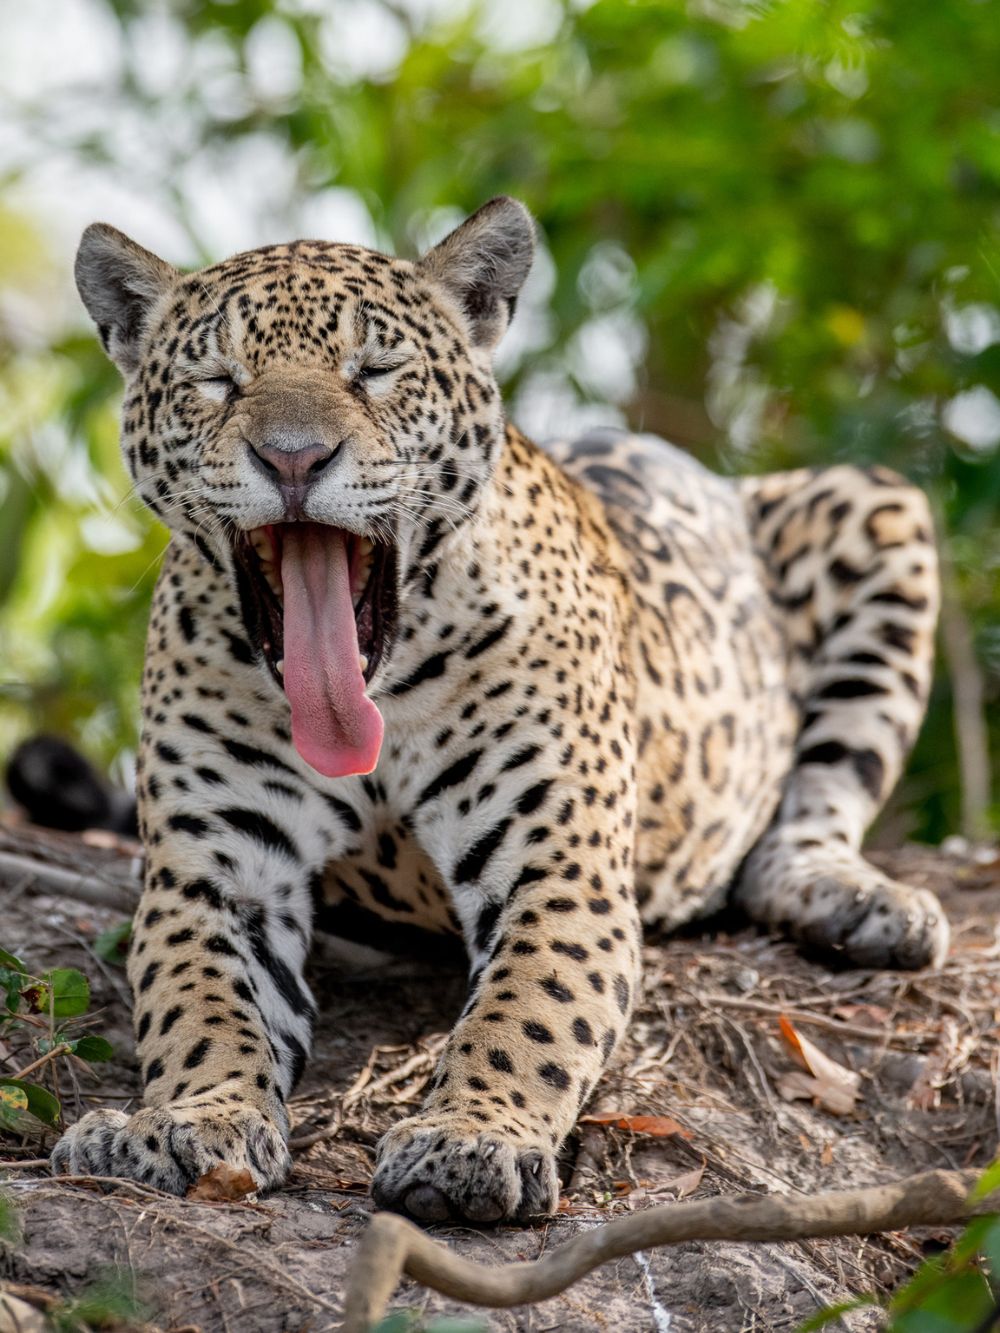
(10, 1225)
(112, 944)
(412, 1321)
(110, 1301)
(784, 216)
(40, 1024)
(954, 1292)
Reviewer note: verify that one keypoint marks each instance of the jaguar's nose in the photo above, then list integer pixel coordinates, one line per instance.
(293, 469)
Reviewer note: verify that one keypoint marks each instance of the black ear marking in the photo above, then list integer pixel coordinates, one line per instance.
(483, 263)
(119, 282)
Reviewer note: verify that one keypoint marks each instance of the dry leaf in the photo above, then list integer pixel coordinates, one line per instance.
(831, 1085)
(872, 1015)
(18, 1315)
(567, 1207)
(657, 1126)
(222, 1184)
(682, 1186)
(826, 1156)
(105, 840)
(949, 1056)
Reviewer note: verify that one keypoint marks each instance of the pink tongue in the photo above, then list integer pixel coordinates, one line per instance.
(335, 726)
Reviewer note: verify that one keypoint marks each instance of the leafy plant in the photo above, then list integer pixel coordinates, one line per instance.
(412, 1321)
(43, 1022)
(10, 1226)
(954, 1292)
(112, 944)
(781, 221)
(110, 1301)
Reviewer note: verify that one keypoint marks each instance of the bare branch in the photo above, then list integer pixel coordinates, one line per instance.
(393, 1247)
(68, 867)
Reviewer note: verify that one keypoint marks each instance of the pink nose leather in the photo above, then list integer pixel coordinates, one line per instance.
(296, 468)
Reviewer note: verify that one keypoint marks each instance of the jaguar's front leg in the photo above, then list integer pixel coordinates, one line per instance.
(555, 964)
(222, 1016)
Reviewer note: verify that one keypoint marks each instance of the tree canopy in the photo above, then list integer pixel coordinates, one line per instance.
(769, 232)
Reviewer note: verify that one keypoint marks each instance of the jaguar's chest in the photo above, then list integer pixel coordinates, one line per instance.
(381, 864)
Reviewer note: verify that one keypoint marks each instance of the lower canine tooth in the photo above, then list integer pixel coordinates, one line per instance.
(363, 662)
(280, 667)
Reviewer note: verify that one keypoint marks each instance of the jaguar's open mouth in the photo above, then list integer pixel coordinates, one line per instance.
(320, 604)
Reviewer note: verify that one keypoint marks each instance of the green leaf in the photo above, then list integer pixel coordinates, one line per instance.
(30, 1097)
(964, 1293)
(70, 991)
(112, 944)
(13, 1104)
(36, 997)
(455, 1324)
(990, 1248)
(10, 1228)
(832, 1312)
(8, 960)
(11, 983)
(400, 1321)
(41, 1103)
(92, 1048)
(110, 1301)
(987, 1182)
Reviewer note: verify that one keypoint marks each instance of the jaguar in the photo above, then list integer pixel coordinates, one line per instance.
(408, 670)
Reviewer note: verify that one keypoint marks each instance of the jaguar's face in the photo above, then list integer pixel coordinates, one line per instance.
(317, 419)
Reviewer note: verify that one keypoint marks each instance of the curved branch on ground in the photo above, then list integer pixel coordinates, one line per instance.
(392, 1247)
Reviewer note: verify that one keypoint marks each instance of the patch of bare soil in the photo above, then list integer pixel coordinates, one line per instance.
(914, 1082)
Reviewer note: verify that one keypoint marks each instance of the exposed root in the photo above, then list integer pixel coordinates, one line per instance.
(393, 1247)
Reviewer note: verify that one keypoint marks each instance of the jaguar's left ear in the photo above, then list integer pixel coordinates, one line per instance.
(482, 265)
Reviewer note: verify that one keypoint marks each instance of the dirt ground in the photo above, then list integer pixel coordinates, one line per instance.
(705, 1048)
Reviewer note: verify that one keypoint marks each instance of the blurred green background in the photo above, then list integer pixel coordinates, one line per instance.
(769, 233)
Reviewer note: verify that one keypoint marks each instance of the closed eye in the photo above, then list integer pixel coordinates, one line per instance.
(217, 388)
(375, 363)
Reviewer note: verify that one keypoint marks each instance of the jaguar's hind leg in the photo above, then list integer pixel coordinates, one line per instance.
(850, 558)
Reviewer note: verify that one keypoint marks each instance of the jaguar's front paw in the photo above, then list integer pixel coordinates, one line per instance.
(170, 1147)
(438, 1169)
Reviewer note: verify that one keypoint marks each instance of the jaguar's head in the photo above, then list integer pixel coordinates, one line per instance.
(317, 419)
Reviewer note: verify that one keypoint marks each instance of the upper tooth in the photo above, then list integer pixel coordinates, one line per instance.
(367, 546)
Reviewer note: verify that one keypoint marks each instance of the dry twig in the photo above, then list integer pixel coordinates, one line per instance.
(393, 1247)
(69, 868)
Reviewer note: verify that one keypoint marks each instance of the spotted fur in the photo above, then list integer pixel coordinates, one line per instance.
(619, 685)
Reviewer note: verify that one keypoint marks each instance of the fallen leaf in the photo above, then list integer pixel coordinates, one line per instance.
(871, 1014)
(657, 1126)
(797, 1085)
(19, 1315)
(682, 1186)
(569, 1208)
(105, 840)
(832, 1086)
(628, 1186)
(948, 1057)
(826, 1156)
(222, 1184)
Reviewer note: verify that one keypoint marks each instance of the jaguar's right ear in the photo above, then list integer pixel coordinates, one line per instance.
(120, 283)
